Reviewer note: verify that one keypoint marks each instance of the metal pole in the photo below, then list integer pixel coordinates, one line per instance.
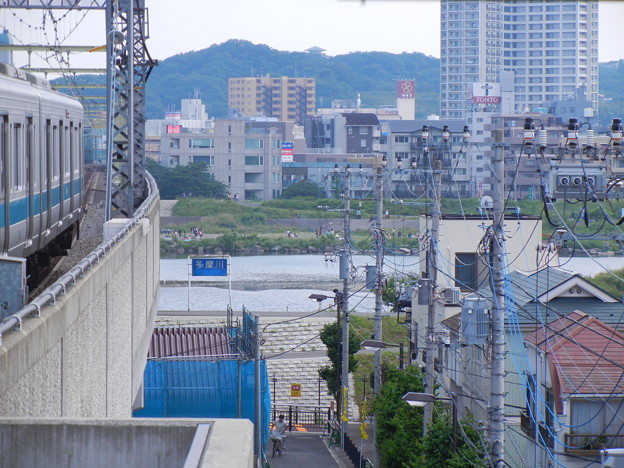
(432, 275)
(258, 411)
(319, 391)
(496, 415)
(274, 400)
(345, 308)
(240, 393)
(454, 408)
(401, 355)
(378, 302)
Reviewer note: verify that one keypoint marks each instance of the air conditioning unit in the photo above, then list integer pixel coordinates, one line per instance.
(452, 295)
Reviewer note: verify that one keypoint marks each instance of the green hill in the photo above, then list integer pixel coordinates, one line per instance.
(371, 74)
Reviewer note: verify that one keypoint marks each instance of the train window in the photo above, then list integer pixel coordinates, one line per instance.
(56, 163)
(66, 148)
(47, 151)
(77, 150)
(72, 149)
(30, 133)
(17, 158)
(80, 154)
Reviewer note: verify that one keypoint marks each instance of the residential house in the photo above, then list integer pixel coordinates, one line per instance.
(532, 300)
(574, 391)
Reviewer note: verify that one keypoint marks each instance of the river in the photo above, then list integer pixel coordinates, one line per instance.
(285, 282)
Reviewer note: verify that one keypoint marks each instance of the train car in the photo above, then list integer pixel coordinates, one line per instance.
(41, 168)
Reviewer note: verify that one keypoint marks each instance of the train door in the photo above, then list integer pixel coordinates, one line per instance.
(63, 170)
(4, 182)
(72, 167)
(18, 203)
(46, 181)
(31, 184)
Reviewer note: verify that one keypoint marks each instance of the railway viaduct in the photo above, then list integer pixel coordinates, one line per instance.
(82, 350)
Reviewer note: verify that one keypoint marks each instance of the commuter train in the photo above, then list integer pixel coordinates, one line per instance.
(41, 168)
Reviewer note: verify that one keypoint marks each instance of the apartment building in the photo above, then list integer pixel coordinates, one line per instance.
(551, 47)
(283, 98)
(245, 155)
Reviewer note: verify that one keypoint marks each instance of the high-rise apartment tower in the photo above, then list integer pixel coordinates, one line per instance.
(550, 48)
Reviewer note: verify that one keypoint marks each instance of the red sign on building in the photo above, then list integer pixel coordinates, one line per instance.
(406, 89)
(486, 99)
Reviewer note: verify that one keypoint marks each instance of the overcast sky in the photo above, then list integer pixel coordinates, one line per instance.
(338, 26)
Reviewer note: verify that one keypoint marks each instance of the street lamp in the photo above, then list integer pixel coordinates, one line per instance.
(376, 345)
(422, 399)
(318, 298)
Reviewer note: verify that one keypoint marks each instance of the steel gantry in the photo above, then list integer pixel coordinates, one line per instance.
(127, 68)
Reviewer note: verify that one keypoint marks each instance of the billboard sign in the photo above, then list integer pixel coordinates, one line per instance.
(486, 93)
(406, 89)
(288, 151)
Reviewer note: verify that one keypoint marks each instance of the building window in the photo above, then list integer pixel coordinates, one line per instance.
(468, 270)
(201, 143)
(254, 143)
(363, 130)
(363, 142)
(254, 160)
(401, 139)
(208, 160)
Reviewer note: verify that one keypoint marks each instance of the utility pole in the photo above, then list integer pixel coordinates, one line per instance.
(496, 414)
(432, 274)
(258, 409)
(345, 266)
(378, 298)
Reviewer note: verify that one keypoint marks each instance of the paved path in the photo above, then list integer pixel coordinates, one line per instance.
(303, 451)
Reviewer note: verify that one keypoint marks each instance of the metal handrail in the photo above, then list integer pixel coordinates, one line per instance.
(49, 295)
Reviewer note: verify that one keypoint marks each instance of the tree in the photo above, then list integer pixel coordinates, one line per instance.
(331, 336)
(190, 180)
(437, 448)
(399, 425)
(399, 429)
(304, 188)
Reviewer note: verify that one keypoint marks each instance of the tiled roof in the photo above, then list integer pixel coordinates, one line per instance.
(525, 288)
(356, 118)
(586, 356)
(171, 342)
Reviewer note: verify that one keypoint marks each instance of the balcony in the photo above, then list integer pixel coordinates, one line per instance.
(589, 445)
(528, 427)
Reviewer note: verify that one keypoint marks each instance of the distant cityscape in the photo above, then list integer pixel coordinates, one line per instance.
(500, 64)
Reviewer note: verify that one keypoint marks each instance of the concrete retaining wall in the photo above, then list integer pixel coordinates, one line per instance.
(85, 355)
(149, 443)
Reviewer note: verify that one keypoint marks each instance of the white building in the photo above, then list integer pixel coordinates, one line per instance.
(550, 46)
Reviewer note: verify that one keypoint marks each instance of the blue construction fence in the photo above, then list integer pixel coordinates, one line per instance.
(205, 389)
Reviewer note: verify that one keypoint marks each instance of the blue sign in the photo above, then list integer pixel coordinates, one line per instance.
(209, 267)
(287, 145)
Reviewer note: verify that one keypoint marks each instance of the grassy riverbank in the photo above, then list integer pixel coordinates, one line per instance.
(256, 228)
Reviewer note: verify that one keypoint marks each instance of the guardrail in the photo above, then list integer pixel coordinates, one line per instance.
(308, 417)
(49, 295)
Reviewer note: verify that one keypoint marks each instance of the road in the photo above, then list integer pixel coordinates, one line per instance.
(304, 451)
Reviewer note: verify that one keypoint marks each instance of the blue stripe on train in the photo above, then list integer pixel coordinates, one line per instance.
(20, 208)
